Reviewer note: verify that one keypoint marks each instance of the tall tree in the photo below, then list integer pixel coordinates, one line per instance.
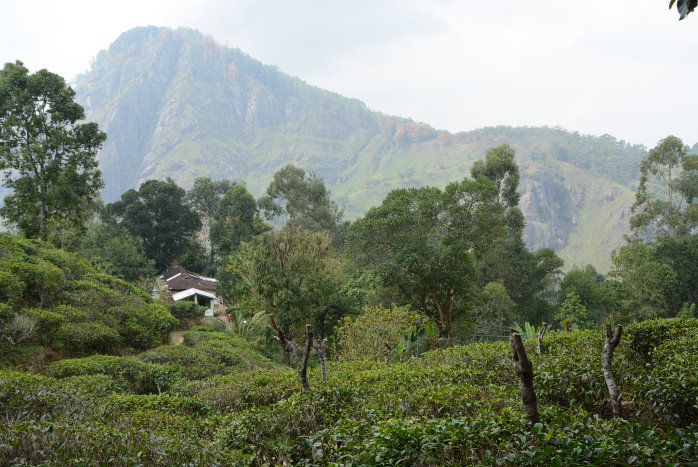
(157, 214)
(234, 221)
(525, 274)
(665, 202)
(48, 158)
(584, 286)
(114, 249)
(641, 285)
(206, 194)
(423, 241)
(286, 270)
(305, 200)
(204, 198)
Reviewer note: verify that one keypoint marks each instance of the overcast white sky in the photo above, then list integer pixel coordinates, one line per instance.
(628, 68)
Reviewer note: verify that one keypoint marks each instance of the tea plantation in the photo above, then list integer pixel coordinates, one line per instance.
(95, 382)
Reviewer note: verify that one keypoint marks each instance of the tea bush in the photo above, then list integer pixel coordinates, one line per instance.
(194, 364)
(184, 309)
(139, 377)
(71, 306)
(200, 403)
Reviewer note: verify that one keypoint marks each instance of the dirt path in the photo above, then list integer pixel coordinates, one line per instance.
(176, 337)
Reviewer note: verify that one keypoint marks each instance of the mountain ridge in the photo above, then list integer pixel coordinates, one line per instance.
(175, 103)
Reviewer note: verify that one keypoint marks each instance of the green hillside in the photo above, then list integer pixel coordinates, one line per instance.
(453, 406)
(174, 103)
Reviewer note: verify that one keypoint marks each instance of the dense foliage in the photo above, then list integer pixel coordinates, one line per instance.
(457, 405)
(428, 268)
(49, 160)
(54, 299)
(157, 214)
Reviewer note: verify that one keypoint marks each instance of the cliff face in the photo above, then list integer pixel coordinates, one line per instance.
(177, 104)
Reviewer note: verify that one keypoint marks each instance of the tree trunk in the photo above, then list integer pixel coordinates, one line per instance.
(235, 297)
(388, 349)
(303, 365)
(524, 370)
(612, 340)
(321, 347)
(290, 350)
(541, 333)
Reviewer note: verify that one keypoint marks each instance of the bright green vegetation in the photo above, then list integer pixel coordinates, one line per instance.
(100, 378)
(54, 299)
(457, 405)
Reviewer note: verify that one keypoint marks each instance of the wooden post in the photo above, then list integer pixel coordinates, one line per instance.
(541, 333)
(388, 349)
(303, 366)
(524, 370)
(321, 346)
(612, 340)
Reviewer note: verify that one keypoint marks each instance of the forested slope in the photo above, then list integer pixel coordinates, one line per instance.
(177, 104)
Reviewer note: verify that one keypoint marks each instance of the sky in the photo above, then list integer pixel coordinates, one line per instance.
(627, 68)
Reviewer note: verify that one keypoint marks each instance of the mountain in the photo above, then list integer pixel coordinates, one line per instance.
(174, 103)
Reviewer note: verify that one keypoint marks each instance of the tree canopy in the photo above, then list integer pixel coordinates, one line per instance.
(48, 158)
(306, 201)
(423, 242)
(286, 271)
(157, 214)
(665, 202)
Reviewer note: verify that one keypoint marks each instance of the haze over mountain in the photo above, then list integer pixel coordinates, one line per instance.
(177, 104)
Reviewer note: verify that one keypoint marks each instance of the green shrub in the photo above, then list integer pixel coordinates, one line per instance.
(643, 336)
(121, 286)
(92, 295)
(569, 374)
(116, 404)
(89, 338)
(27, 396)
(6, 313)
(46, 443)
(194, 363)
(143, 326)
(139, 377)
(71, 264)
(47, 322)
(184, 309)
(234, 393)
(670, 390)
(11, 287)
(363, 337)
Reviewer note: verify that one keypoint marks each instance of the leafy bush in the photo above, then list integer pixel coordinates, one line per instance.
(137, 376)
(644, 336)
(116, 404)
(670, 390)
(46, 443)
(47, 322)
(143, 326)
(184, 309)
(569, 374)
(234, 393)
(88, 338)
(194, 363)
(26, 396)
(364, 336)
